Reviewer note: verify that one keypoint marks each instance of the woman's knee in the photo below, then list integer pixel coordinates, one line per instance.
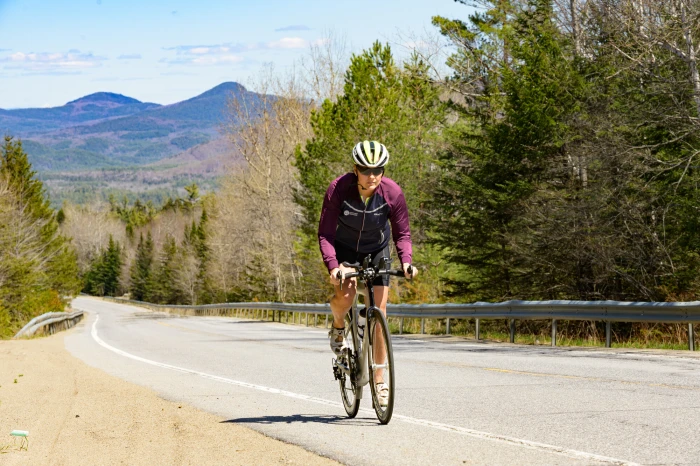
(344, 298)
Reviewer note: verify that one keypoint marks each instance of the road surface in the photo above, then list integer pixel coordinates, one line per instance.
(458, 401)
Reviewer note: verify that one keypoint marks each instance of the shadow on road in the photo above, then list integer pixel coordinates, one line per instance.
(303, 419)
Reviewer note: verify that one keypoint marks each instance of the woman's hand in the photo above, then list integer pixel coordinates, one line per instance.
(344, 270)
(334, 276)
(405, 270)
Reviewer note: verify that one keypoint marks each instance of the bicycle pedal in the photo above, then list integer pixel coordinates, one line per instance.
(341, 365)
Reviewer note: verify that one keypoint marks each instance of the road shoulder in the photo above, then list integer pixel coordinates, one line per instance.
(76, 415)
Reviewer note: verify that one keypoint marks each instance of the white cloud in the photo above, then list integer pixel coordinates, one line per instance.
(228, 53)
(52, 62)
(288, 43)
(206, 55)
(217, 60)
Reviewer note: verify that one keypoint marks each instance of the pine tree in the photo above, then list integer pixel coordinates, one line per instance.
(141, 270)
(164, 289)
(113, 268)
(103, 277)
(503, 148)
(41, 264)
(400, 107)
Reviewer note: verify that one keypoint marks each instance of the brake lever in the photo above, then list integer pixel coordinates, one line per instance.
(339, 276)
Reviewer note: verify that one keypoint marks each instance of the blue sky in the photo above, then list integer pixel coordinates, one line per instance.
(52, 52)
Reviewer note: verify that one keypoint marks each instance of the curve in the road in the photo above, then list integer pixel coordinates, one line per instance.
(410, 420)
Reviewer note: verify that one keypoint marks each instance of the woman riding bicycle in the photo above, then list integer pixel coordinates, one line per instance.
(357, 211)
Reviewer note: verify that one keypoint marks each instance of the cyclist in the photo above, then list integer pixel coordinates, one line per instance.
(357, 210)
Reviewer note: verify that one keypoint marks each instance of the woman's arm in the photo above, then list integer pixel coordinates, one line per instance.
(328, 224)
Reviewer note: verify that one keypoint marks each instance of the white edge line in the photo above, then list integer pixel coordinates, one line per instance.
(409, 420)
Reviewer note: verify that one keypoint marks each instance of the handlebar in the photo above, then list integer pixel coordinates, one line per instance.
(396, 273)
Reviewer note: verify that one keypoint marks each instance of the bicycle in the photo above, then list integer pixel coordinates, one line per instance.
(361, 362)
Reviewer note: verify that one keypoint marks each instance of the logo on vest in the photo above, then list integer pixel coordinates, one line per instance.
(347, 212)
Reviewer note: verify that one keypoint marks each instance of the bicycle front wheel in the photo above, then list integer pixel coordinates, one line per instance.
(381, 366)
(348, 386)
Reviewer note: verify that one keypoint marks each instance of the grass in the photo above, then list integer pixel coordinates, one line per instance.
(540, 333)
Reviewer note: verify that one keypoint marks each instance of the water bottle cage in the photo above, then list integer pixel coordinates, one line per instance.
(361, 322)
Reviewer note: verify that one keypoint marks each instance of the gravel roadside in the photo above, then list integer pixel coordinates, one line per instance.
(79, 415)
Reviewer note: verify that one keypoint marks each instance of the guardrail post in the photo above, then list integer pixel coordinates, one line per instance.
(447, 326)
(326, 320)
(422, 326)
(477, 332)
(307, 319)
(401, 326)
(554, 332)
(608, 334)
(512, 330)
(691, 337)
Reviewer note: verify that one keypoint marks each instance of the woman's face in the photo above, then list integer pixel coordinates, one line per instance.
(369, 178)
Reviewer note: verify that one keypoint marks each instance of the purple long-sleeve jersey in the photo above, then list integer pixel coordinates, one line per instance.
(347, 220)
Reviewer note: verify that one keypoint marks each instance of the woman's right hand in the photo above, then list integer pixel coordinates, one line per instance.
(334, 276)
(344, 270)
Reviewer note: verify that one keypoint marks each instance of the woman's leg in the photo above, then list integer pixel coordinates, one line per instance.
(341, 302)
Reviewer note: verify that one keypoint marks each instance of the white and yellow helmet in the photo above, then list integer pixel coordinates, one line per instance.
(370, 154)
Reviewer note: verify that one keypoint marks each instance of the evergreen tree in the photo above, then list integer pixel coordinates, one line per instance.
(381, 101)
(39, 262)
(503, 148)
(103, 277)
(141, 270)
(165, 290)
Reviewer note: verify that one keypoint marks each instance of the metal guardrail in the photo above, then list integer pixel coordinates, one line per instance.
(606, 311)
(54, 321)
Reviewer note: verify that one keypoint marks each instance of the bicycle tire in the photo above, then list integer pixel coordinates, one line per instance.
(377, 325)
(347, 384)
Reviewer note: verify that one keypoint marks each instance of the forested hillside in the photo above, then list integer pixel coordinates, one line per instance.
(114, 144)
(38, 268)
(556, 160)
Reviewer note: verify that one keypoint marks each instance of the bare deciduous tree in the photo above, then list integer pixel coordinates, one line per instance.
(325, 66)
(89, 228)
(255, 213)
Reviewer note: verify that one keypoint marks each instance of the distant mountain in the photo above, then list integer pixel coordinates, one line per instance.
(99, 106)
(107, 130)
(207, 107)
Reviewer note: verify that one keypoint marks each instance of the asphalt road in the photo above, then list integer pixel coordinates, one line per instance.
(458, 401)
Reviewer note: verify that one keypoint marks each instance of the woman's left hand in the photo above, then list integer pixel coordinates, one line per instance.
(405, 270)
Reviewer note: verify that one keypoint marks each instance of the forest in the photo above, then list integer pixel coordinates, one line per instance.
(547, 150)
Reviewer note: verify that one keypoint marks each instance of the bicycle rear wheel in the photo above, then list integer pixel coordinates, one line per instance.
(348, 387)
(381, 366)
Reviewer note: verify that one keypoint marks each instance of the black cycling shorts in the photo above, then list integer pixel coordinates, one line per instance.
(346, 254)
